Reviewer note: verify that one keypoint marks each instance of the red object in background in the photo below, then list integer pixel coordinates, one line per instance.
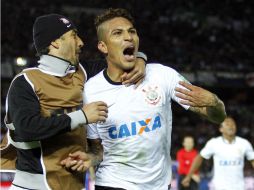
(185, 159)
(5, 184)
(6, 178)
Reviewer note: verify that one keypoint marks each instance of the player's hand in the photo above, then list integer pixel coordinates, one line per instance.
(96, 112)
(78, 161)
(195, 96)
(196, 178)
(136, 75)
(186, 181)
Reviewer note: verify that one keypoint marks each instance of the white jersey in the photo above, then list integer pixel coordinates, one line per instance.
(228, 159)
(136, 136)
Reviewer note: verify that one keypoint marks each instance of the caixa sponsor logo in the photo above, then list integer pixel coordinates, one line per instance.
(230, 162)
(135, 128)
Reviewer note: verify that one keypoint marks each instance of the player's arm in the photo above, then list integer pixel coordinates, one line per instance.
(249, 153)
(25, 113)
(252, 163)
(96, 149)
(82, 161)
(93, 67)
(194, 167)
(201, 101)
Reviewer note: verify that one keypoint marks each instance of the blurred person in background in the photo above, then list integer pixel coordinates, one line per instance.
(45, 112)
(132, 148)
(185, 157)
(228, 152)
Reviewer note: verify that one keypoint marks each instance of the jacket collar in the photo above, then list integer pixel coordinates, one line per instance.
(55, 66)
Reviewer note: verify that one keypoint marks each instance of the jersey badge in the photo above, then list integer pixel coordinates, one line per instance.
(152, 95)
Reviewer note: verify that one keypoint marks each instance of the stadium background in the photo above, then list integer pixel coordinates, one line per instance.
(211, 42)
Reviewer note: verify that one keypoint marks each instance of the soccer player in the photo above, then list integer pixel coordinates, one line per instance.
(228, 152)
(132, 147)
(185, 157)
(45, 111)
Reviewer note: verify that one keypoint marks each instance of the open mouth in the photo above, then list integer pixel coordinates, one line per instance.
(128, 53)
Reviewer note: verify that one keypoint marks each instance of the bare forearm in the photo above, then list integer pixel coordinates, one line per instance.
(252, 163)
(202, 102)
(96, 151)
(215, 112)
(195, 165)
(96, 159)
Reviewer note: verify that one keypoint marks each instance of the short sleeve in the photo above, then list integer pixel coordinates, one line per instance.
(208, 151)
(173, 78)
(249, 152)
(92, 132)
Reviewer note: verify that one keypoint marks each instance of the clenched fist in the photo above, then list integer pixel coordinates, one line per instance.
(96, 112)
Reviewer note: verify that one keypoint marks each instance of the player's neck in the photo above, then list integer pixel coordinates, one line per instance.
(115, 74)
(188, 150)
(230, 139)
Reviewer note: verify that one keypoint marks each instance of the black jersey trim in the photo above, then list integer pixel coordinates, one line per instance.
(109, 80)
(22, 187)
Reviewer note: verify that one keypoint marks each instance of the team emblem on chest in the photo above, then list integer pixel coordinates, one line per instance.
(152, 94)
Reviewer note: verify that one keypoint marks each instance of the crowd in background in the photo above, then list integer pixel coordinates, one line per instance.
(213, 36)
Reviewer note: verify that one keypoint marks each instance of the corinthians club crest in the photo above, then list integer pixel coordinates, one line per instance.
(152, 95)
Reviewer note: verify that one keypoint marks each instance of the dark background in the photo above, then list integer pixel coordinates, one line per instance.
(210, 42)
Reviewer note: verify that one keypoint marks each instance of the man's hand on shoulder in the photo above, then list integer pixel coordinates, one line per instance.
(195, 96)
(201, 101)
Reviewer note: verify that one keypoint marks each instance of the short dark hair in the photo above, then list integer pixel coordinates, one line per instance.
(108, 15)
(112, 13)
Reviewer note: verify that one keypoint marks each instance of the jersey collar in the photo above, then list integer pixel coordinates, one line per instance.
(227, 141)
(55, 66)
(105, 74)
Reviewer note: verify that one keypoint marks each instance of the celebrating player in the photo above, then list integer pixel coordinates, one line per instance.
(132, 147)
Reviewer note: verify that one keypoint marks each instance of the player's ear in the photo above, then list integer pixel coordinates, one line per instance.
(102, 47)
